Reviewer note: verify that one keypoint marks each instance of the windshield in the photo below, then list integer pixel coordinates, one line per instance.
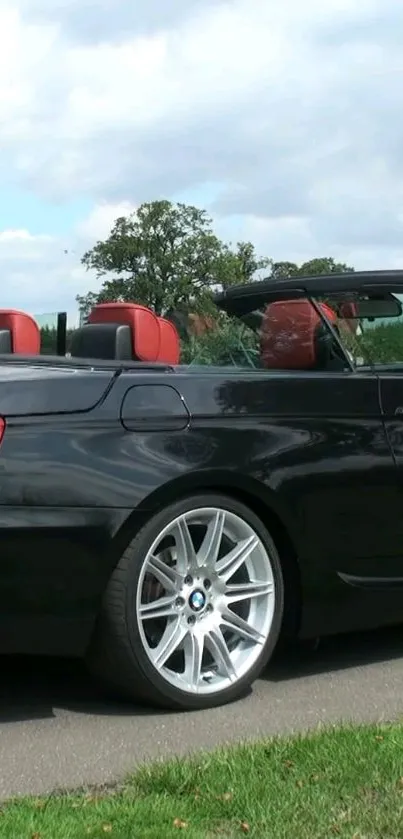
(303, 334)
(369, 341)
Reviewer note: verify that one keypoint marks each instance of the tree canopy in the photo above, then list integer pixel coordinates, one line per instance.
(167, 256)
(312, 268)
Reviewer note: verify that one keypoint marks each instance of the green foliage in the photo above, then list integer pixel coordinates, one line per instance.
(241, 265)
(323, 265)
(383, 343)
(166, 255)
(312, 268)
(49, 340)
(234, 344)
(87, 301)
(334, 782)
(228, 344)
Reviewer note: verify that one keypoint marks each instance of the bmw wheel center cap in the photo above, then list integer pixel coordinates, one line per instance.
(197, 600)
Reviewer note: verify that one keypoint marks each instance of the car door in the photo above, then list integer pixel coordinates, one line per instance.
(312, 445)
(381, 347)
(313, 434)
(391, 395)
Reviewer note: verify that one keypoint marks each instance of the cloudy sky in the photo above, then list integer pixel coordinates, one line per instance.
(284, 120)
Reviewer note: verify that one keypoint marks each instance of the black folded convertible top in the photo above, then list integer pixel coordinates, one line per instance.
(245, 298)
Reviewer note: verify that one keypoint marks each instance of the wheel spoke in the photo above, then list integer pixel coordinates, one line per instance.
(193, 649)
(215, 643)
(160, 608)
(167, 576)
(229, 564)
(210, 547)
(246, 591)
(172, 638)
(186, 555)
(240, 627)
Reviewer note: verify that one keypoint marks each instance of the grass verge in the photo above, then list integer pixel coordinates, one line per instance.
(343, 782)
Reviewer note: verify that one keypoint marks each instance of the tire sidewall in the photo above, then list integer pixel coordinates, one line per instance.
(139, 549)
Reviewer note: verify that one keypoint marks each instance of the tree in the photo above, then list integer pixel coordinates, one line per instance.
(86, 303)
(241, 265)
(312, 268)
(166, 256)
(282, 270)
(323, 265)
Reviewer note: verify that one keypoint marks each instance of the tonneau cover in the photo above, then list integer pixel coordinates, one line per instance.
(27, 389)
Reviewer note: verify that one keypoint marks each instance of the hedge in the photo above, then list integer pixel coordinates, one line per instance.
(49, 340)
(383, 343)
(234, 344)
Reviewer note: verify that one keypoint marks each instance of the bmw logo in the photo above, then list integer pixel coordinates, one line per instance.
(197, 601)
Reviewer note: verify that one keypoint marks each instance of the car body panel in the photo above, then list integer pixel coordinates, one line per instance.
(154, 406)
(38, 390)
(74, 487)
(92, 449)
(55, 563)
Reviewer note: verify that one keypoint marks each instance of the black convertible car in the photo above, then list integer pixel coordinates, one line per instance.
(170, 522)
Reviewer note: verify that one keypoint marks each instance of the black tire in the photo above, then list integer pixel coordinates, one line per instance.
(116, 654)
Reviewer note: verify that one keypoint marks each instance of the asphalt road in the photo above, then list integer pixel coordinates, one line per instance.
(57, 731)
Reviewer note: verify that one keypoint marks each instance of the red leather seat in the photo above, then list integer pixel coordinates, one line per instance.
(127, 330)
(169, 342)
(19, 333)
(143, 323)
(290, 335)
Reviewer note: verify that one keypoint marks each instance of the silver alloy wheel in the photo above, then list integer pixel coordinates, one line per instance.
(205, 600)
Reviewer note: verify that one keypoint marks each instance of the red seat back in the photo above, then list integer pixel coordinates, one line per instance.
(348, 316)
(144, 324)
(24, 331)
(154, 338)
(288, 334)
(169, 342)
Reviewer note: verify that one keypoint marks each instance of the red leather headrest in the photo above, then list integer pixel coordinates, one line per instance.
(25, 332)
(328, 312)
(348, 310)
(143, 322)
(288, 334)
(169, 342)
(348, 317)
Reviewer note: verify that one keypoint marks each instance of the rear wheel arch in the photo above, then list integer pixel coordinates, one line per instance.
(254, 495)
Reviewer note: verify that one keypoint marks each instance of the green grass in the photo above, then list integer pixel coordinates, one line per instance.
(344, 782)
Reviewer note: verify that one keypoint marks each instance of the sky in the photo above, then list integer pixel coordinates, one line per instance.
(284, 121)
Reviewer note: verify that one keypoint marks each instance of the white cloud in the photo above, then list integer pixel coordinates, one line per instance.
(18, 236)
(294, 109)
(39, 276)
(44, 273)
(87, 21)
(100, 221)
(249, 71)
